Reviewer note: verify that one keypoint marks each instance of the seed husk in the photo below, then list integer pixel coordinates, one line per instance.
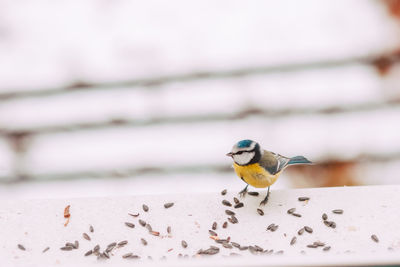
(76, 244)
(223, 192)
(236, 245)
(375, 238)
(333, 224)
(261, 212)
(91, 229)
(96, 248)
(319, 244)
(127, 255)
(184, 244)
(142, 223)
(169, 229)
(46, 249)
(303, 198)
(226, 203)
(86, 236)
(123, 243)
(312, 246)
(212, 233)
(144, 242)
(155, 233)
(338, 211)
(253, 193)
(301, 231)
(66, 248)
(131, 225)
(148, 227)
(234, 219)
(225, 225)
(293, 241)
(111, 246)
(296, 214)
(145, 207)
(253, 250)
(239, 205)
(133, 215)
(270, 226)
(290, 211)
(326, 248)
(324, 217)
(168, 205)
(214, 226)
(236, 200)
(105, 254)
(226, 245)
(308, 229)
(229, 212)
(21, 247)
(88, 253)
(69, 244)
(243, 247)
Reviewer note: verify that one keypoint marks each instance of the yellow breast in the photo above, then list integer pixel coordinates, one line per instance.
(255, 175)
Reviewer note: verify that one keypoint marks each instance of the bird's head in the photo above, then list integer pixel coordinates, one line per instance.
(245, 152)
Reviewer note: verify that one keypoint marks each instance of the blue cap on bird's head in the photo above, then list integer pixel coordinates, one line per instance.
(244, 143)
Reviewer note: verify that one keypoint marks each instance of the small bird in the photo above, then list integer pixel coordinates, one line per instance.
(258, 167)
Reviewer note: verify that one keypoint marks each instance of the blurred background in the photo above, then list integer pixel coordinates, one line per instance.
(139, 97)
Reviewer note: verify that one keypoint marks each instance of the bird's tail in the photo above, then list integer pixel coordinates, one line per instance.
(299, 160)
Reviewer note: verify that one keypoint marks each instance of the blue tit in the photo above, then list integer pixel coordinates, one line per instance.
(258, 167)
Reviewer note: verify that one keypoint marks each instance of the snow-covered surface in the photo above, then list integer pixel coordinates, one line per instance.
(37, 224)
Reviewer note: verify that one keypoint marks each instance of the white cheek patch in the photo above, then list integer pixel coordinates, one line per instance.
(244, 158)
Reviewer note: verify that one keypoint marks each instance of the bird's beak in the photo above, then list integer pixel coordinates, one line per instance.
(230, 154)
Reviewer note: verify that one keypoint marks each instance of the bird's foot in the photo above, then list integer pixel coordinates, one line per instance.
(243, 192)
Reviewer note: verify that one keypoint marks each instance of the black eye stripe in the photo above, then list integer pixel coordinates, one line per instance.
(241, 152)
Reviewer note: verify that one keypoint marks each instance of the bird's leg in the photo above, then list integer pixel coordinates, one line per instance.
(243, 192)
(265, 199)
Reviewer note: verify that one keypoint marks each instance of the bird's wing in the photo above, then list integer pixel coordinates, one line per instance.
(273, 162)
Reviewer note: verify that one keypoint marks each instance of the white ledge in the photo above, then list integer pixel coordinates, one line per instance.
(37, 224)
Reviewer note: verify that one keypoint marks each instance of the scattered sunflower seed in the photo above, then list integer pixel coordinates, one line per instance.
(91, 229)
(236, 245)
(338, 211)
(233, 219)
(308, 229)
(133, 215)
(226, 203)
(223, 192)
(148, 227)
(142, 223)
(123, 243)
(69, 244)
(131, 225)
(46, 249)
(184, 244)
(239, 205)
(324, 217)
(312, 246)
(229, 212)
(168, 205)
(296, 214)
(260, 211)
(293, 240)
(243, 247)
(155, 233)
(290, 211)
(319, 244)
(127, 255)
(145, 207)
(303, 198)
(144, 242)
(86, 236)
(236, 200)
(225, 225)
(253, 193)
(66, 248)
(214, 226)
(212, 233)
(375, 238)
(169, 229)
(96, 248)
(301, 231)
(21, 247)
(88, 253)
(326, 248)
(226, 245)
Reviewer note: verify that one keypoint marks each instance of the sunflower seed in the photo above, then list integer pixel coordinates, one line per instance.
(86, 236)
(243, 247)
(236, 245)
(91, 229)
(290, 211)
(337, 211)
(66, 248)
(319, 244)
(312, 246)
(239, 205)
(226, 245)
(133, 215)
(229, 212)
(293, 240)
(169, 229)
(148, 227)
(69, 244)
(144, 242)
(225, 225)
(214, 226)
(123, 243)
(326, 248)
(303, 198)
(233, 219)
(131, 225)
(212, 233)
(301, 231)
(88, 253)
(375, 238)
(111, 246)
(253, 193)
(236, 200)
(96, 248)
(308, 229)
(46, 249)
(226, 203)
(21, 247)
(155, 233)
(260, 211)
(296, 214)
(145, 207)
(184, 244)
(168, 205)
(142, 223)
(223, 192)
(324, 217)
(127, 255)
